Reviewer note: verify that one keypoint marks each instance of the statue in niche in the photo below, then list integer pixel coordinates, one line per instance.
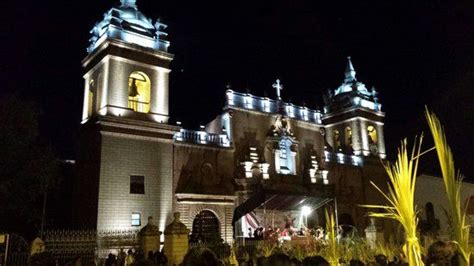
(197, 176)
(206, 175)
(282, 127)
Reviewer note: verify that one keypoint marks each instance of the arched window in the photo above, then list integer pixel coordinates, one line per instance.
(139, 92)
(90, 98)
(337, 139)
(372, 133)
(205, 226)
(348, 136)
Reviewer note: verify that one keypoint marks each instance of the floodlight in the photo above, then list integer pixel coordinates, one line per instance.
(306, 210)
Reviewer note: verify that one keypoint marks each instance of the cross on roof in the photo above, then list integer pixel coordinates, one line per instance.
(278, 86)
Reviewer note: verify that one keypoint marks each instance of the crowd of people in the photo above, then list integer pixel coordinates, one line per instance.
(289, 231)
(136, 258)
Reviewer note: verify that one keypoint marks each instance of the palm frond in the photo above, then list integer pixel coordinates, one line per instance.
(452, 183)
(401, 198)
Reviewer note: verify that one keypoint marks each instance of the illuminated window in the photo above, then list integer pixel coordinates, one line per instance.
(337, 139)
(372, 132)
(136, 219)
(285, 158)
(137, 184)
(90, 99)
(348, 136)
(139, 92)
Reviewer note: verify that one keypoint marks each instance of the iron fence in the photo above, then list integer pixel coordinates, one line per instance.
(90, 246)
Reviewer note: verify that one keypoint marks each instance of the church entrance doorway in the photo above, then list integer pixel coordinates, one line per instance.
(205, 226)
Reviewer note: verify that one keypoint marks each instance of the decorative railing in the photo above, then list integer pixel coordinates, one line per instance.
(342, 158)
(89, 245)
(138, 106)
(202, 137)
(267, 105)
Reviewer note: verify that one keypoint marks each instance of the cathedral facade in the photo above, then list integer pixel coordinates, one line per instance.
(260, 158)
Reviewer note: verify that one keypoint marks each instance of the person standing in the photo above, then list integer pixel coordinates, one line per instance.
(130, 259)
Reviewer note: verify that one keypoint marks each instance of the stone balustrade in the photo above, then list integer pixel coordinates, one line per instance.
(202, 137)
(267, 105)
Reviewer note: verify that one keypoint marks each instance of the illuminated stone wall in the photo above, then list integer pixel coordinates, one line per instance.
(203, 180)
(431, 189)
(123, 156)
(252, 128)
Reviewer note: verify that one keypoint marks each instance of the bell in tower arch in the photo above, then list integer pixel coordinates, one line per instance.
(133, 91)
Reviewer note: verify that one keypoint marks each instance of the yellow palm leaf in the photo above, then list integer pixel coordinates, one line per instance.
(452, 182)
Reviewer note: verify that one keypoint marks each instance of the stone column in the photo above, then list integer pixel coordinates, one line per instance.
(364, 137)
(86, 103)
(381, 141)
(356, 139)
(161, 93)
(150, 237)
(176, 241)
(330, 137)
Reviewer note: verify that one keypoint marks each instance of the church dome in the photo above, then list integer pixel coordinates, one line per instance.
(126, 23)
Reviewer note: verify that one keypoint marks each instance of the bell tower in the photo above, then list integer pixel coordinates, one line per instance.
(127, 67)
(353, 118)
(126, 145)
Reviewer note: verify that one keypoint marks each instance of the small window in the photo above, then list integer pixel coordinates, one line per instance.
(137, 184)
(136, 219)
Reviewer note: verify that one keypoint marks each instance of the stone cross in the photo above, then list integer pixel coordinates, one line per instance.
(278, 86)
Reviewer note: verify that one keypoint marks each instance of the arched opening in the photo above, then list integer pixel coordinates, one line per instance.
(139, 92)
(205, 226)
(337, 139)
(348, 136)
(372, 133)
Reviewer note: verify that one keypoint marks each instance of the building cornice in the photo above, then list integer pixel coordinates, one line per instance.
(190, 198)
(128, 51)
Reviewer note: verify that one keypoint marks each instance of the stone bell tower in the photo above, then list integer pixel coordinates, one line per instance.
(125, 162)
(353, 118)
(127, 67)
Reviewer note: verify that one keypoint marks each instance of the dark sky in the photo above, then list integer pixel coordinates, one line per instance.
(415, 53)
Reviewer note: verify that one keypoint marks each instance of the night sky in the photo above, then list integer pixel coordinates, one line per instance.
(415, 53)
